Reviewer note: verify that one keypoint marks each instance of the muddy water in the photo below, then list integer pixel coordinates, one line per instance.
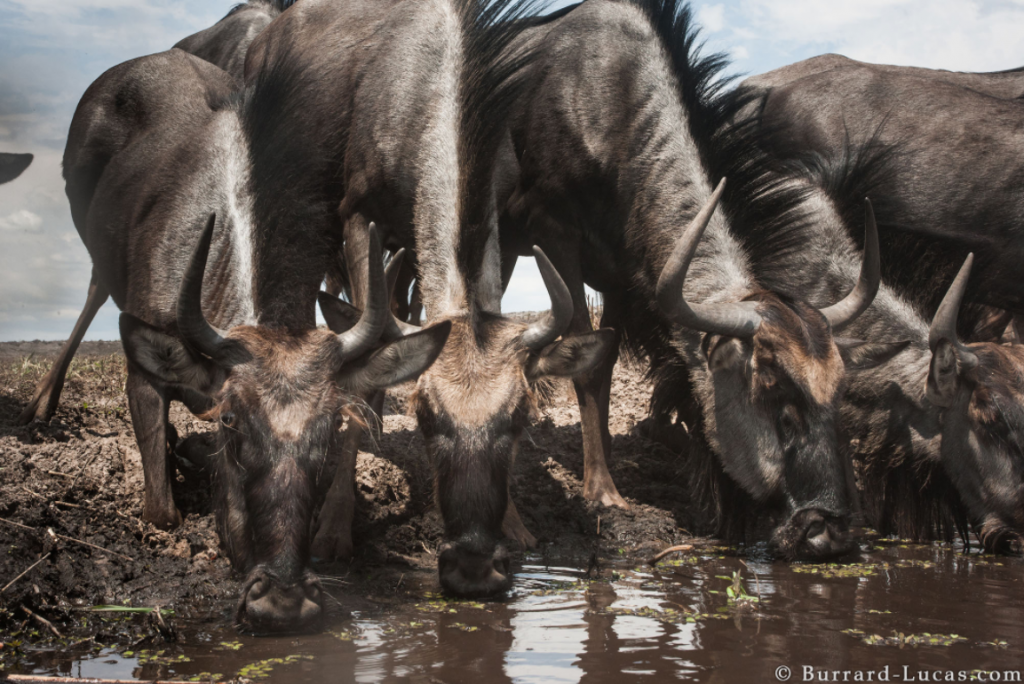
(924, 608)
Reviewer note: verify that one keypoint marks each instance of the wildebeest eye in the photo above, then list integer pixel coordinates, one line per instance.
(788, 422)
(228, 419)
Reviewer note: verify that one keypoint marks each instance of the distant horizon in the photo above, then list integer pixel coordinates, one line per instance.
(53, 49)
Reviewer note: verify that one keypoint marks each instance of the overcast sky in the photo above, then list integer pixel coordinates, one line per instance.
(51, 50)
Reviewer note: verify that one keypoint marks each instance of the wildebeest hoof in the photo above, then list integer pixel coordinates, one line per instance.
(165, 520)
(469, 574)
(331, 544)
(604, 492)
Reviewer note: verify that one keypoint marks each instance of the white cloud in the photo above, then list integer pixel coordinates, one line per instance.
(711, 17)
(962, 35)
(22, 220)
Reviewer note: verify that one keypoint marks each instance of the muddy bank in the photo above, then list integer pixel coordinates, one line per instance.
(72, 496)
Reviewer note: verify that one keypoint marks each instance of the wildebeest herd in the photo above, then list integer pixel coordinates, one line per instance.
(792, 327)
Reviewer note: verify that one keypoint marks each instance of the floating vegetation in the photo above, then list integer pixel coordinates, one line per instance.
(206, 677)
(343, 635)
(879, 612)
(464, 627)
(901, 640)
(998, 643)
(835, 570)
(668, 615)
(229, 646)
(263, 668)
(915, 564)
(439, 603)
(555, 588)
(147, 657)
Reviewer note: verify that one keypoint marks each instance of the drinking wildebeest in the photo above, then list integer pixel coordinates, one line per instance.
(225, 45)
(227, 42)
(13, 165)
(245, 349)
(956, 176)
(402, 104)
(624, 133)
(937, 431)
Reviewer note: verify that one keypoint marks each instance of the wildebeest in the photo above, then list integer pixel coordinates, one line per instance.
(13, 165)
(402, 104)
(619, 145)
(227, 42)
(936, 432)
(956, 177)
(236, 340)
(225, 45)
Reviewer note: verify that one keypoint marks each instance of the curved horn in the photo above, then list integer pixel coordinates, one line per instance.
(554, 323)
(843, 313)
(944, 324)
(396, 328)
(736, 319)
(367, 331)
(193, 327)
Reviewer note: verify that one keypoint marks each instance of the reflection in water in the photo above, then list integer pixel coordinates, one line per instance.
(635, 624)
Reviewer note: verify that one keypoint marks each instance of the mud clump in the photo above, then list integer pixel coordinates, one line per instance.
(71, 498)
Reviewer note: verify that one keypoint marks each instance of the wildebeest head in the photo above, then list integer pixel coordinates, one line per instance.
(472, 406)
(12, 165)
(776, 377)
(280, 397)
(980, 390)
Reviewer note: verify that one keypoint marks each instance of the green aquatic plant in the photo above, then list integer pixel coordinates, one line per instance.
(166, 612)
(901, 640)
(464, 627)
(736, 592)
(229, 646)
(263, 668)
(837, 570)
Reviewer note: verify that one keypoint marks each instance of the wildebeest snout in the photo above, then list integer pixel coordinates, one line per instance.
(813, 534)
(470, 572)
(269, 604)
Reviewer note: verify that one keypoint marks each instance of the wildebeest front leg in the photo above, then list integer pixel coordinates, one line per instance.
(149, 406)
(47, 394)
(593, 390)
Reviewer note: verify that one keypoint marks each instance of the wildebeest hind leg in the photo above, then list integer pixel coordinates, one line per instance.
(149, 405)
(47, 394)
(593, 391)
(513, 528)
(332, 538)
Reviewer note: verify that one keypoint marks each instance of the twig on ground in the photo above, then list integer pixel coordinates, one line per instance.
(757, 579)
(35, 494)
(30, 569)
(669, 551)
(59, 474)
(67, 539)
(82, 470)
(44, 622)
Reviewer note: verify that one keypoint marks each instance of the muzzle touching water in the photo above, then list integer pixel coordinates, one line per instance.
(269, 604)
(471, 572)
(813, 534)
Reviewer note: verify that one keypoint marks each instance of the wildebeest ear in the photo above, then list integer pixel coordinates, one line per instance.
(166, 360)
(573, 355)
(943, 375)
(11, 166)
(396, 362)
(859, 355)
(340, 315)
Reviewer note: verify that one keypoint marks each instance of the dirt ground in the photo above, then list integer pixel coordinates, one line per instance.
(71, 494)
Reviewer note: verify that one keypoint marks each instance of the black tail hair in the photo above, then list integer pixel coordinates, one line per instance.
(490, 84)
